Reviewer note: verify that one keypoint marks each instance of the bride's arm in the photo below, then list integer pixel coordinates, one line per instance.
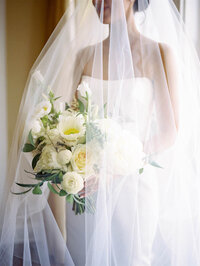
(172, 78)
(166, 85)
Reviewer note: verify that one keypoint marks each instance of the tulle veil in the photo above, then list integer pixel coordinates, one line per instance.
(168, 127)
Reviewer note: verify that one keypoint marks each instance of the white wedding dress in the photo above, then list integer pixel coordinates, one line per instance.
(145, 225)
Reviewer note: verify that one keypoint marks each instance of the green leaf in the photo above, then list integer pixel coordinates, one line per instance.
(37, 190)
(52, 189)
(57, 98)
(155, 164)
(60, 176)
(26, 185)
(70, 198)
(20, 193)
(141, 170)
(51, 95)
(67, 106)
(28, 147)
(62, 193)
(30, 138)
(35, 160)
(45, 121)
(79, 201)
(81, 106)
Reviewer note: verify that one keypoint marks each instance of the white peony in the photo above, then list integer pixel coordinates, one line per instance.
(125, 154)
(83, 159)
(71, 129)
(72, 182)
(48, 160)
(42, 109)
(84, 88)
(64, 156)
(53, 135)
(110, 128)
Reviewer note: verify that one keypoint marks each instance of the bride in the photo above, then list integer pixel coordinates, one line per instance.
(128, 68)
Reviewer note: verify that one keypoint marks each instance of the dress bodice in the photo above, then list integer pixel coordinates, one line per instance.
(140, 88)
(128, 100)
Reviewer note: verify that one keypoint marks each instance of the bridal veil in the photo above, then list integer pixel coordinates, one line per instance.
(108, 42)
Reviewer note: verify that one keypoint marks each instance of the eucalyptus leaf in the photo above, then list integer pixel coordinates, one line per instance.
(141, 170)
(52, 189)
(153, 163)
(28, 147)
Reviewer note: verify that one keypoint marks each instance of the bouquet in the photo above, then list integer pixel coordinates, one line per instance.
(57, 140)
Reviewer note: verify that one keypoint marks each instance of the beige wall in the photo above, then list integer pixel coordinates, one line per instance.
(25, 32)
(3, 113)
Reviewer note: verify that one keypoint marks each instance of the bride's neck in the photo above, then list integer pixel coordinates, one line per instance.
(131, 26)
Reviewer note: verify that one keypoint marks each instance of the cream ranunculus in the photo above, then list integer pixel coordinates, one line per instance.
(83, 158)
(71, 129)
(72, 182)
(48, 160)
(64, 156)
(42, 109)
(84, 88)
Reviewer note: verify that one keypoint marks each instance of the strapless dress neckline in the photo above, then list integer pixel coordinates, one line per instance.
(140, 88)
(117, 80)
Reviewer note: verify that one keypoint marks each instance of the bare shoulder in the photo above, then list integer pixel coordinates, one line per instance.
(161, 52)
(85, 55)
(164, 49)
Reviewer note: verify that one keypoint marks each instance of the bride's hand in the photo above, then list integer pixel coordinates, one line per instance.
(91, 185)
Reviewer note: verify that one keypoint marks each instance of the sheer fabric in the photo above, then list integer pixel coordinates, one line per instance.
(141, 64)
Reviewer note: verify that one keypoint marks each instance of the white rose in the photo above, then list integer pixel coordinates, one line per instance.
(71, 129)
(43, 108)
(83, 88)
(72, 182)
(64, 156)
(83, 159)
